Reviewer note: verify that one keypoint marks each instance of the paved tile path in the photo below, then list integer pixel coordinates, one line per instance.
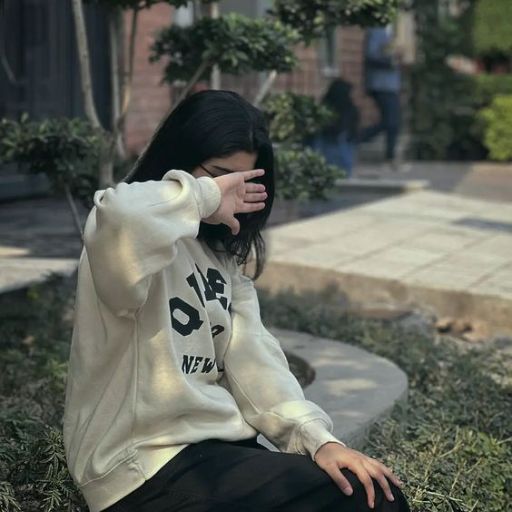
(450, 254)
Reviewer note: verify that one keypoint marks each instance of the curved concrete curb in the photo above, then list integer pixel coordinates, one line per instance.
(356, 388)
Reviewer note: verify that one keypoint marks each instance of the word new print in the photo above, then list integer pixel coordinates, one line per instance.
(191, 364)
(213, 287)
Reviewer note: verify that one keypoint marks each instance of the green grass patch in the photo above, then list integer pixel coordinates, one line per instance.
(451, 442)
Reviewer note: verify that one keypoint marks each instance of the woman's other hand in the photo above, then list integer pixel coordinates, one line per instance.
(332, 457)
(238, 195)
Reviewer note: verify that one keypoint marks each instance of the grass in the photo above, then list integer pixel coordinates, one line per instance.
(451, 443)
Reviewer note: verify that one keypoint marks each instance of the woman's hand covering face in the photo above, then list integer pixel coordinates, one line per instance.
(238, 195)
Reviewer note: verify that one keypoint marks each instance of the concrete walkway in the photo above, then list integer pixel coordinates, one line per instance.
(448, 254)
(489, 181)
(37, 237)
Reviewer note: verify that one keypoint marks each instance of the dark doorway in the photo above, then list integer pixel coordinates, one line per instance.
(39, 71)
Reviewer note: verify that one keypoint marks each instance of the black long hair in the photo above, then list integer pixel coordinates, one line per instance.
(214, 124)
(338, 99)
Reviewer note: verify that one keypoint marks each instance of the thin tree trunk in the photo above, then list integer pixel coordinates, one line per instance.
(74, 212)
(106, 167)
(264, 89)
(126, 88)
(215, 75)
(192, 81)
(116, 75)
(84, 60)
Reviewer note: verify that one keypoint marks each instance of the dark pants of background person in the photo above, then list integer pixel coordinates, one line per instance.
(244, 476)
(388, 103)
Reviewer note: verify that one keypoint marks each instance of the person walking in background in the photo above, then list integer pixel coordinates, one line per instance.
(337, 141)
(383, 84)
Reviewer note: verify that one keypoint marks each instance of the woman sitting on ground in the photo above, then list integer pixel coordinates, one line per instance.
(172, 374)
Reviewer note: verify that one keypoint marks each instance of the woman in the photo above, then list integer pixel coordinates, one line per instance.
(172, 375)
(337, 140)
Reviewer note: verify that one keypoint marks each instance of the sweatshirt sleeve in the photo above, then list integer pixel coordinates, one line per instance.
(132, 229)
(267, 393)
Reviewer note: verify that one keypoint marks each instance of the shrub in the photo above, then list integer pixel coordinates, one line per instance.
(293, 117)
(497, 119)
(487, 86)
(66, 150)
(445, 122)
(235, 43)
(313, 17)
(303, 174)
(491, 30)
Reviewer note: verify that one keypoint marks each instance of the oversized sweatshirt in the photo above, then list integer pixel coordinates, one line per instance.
(168, 346)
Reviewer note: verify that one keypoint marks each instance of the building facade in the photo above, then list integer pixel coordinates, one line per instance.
(40, 73)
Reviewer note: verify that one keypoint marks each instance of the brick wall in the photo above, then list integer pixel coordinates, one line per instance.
(150, 100)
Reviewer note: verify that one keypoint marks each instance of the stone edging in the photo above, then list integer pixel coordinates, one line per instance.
(356, 388)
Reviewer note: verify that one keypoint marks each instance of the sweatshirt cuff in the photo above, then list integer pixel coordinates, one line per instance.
(314, 434)
(206, 191)
(210, 194)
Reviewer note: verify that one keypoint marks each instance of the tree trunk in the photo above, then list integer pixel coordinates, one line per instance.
(116, 76)
(260, 96)
(215, 75)
(192, 81)
(74, 212)
(85, 63)
(106, 170)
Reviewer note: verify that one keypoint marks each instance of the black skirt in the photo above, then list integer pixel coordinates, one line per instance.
(244, 476)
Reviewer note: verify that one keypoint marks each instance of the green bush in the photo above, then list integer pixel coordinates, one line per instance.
(444, 104)
(497, 119)
(452, 442)
(441, 100)
(313, 17)
(293, 117)
(303, 174)
(235, 43)
(491, 30)
(67, 151)
(488, 86)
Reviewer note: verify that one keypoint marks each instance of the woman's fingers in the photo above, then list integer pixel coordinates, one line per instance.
(253, 173)
(234, 225)
(387, 472)
(367, 482)
(381, 478)
(339, 478)
(255, 196)
(254, 187)
(251, 207)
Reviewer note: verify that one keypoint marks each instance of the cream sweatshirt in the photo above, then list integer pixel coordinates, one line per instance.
(168, 347)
